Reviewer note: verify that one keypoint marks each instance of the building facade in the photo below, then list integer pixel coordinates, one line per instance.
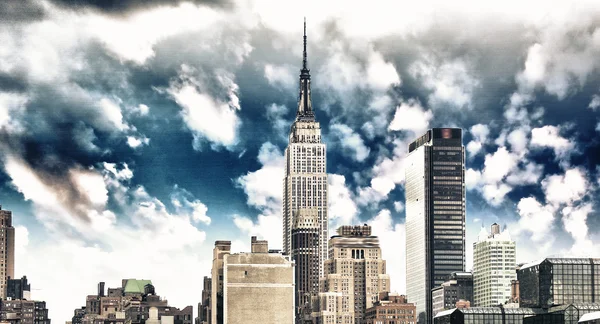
(258, 287)
(391, 309)
(494, 264)
(305, 253)
(355, 275)
(457, 289)
(24, 312)
(435, 214)
(559, 281)
(305, 182)
(129, 304)
(7, 249)
(18, 288)
(221, 249)
(204, 313)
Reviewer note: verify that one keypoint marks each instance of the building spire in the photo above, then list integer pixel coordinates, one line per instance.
(304, 102)
(304, 62)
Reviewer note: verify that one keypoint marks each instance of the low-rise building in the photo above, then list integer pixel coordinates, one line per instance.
(258, 287)
(391, 309)
(459, 286)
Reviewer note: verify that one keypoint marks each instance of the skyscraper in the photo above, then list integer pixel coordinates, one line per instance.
(354, 277)
(7, 249)
(305, 183)
(435, 214)
(305, 252)
(494, 263)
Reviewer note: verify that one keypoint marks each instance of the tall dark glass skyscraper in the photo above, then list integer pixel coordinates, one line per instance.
(435, 214)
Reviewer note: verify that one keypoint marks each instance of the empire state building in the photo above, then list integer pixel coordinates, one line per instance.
(305, 191)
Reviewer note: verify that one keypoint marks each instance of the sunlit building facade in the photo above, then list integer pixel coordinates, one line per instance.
(494, 264)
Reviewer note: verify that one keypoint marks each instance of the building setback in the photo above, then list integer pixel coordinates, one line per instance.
(494, 263)
(435, 214)
(305, 253)
(355, 275)
(457, 289)
(258, 287)
(305, 182)
(391, 309)
(7, 249)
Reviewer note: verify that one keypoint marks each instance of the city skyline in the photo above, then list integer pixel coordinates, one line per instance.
(111, 171)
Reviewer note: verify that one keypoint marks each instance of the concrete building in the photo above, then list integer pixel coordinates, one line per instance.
(305, 253)
(391, 309)
(458, 288)
(18, 288)
(221, 249)
(435, 214)
(559, 281)
(305, 182)
(7, 249)
(494, 263)
(258, 287)
(23, 312)
(355, 275)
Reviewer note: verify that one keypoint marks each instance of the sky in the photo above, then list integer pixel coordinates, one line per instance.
(134, 134)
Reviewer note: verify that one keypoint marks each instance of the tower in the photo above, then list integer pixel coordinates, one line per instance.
(7, 249)
(305, 182)
(305, 252)
(354, 277)
(494, 263)
(435, 214)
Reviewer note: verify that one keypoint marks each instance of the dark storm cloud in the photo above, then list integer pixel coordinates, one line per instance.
(16, 11)
(120, 7)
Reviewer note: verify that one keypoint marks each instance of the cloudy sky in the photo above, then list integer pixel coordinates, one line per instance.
(134, 134)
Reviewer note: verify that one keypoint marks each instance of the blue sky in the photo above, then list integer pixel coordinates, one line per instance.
(135, 134)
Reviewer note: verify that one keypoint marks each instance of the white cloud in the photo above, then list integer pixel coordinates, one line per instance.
(565, 189)
(595, 102)
(548, 136)
(155, 239)
(398, 206)
(411, 116)
(342, 209)
(91, 184)
(141, 110)
(135, 142)
(450, 81)
(380, 74)
(280, 75)
(207, 117)
(536, 219)
(112, 111)
(350, 141)
(264, 191)
(518, 140)
(503, 170)
(574, 221)
(276, 116)
(480, 134)
(498, 165)
(9, 103)
(391, 236)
